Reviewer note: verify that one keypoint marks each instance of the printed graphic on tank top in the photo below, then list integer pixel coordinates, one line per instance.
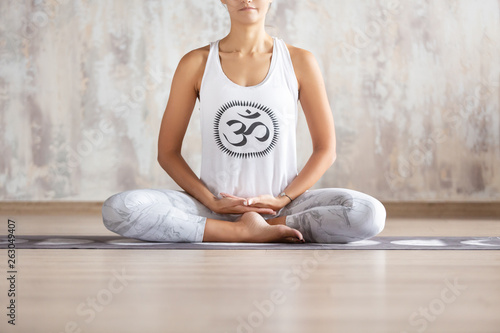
(248, 133)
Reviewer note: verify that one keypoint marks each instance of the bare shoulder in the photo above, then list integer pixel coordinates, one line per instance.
(304, 64)
(192, 66)
(196, 58)
(301, 58)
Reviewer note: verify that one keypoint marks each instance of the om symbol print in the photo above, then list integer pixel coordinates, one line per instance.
(245, 129)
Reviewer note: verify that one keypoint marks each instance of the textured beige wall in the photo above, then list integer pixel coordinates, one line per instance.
(414, 88)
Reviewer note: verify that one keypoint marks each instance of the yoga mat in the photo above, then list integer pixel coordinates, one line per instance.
(376, 243)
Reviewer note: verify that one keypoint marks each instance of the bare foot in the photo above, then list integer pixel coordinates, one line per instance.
(256, 230)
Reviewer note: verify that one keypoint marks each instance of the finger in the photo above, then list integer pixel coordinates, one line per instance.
(255, 202)
(233, 202)
(260, 205)
(245, 209)
(267, 211)
(227, 195)
(239, 201)
(252, 201)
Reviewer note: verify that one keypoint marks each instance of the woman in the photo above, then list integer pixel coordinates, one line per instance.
(249, 85)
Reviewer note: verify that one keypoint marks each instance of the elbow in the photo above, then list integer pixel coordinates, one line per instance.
(163, 158)
(333, 157)
(330, 154)
(327, 155)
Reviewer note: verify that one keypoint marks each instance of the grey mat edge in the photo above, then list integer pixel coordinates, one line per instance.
(375, 243)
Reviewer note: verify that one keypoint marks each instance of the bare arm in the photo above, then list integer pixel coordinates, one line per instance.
(183, 94)
(175, 120)
(314, 101)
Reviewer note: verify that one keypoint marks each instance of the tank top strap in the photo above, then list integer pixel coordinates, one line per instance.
(211, 67)
(284, 61)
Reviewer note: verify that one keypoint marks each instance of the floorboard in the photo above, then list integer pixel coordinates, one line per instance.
(254, 290)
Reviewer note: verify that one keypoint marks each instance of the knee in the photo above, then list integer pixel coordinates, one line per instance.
(119, 210)
(367, 217)
(114, 211)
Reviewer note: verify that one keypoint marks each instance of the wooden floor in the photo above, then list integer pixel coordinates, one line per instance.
(254, 290)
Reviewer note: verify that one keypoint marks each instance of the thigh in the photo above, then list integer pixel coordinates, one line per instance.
(140, 199)
(335, 215)
(157, 215)
(326, 197)
(158, 200)
(190, 205)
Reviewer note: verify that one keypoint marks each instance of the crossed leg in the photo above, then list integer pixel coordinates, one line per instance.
(323, 216)
(175, 216)
(334, 215)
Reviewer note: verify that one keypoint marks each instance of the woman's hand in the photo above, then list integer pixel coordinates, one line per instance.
(230, 204)
(266, 201)
(269, 201)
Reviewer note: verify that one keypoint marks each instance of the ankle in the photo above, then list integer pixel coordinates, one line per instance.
(277, 221)
(223, 231)
(241, 232)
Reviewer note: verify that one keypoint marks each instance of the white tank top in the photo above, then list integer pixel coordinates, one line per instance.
(248, 133)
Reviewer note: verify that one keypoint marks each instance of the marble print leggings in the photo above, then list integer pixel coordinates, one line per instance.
(333, 215)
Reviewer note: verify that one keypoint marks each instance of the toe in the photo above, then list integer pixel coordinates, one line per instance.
(292, 240)
(290, 232)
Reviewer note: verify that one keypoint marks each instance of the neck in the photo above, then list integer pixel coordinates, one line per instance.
(247, 39)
